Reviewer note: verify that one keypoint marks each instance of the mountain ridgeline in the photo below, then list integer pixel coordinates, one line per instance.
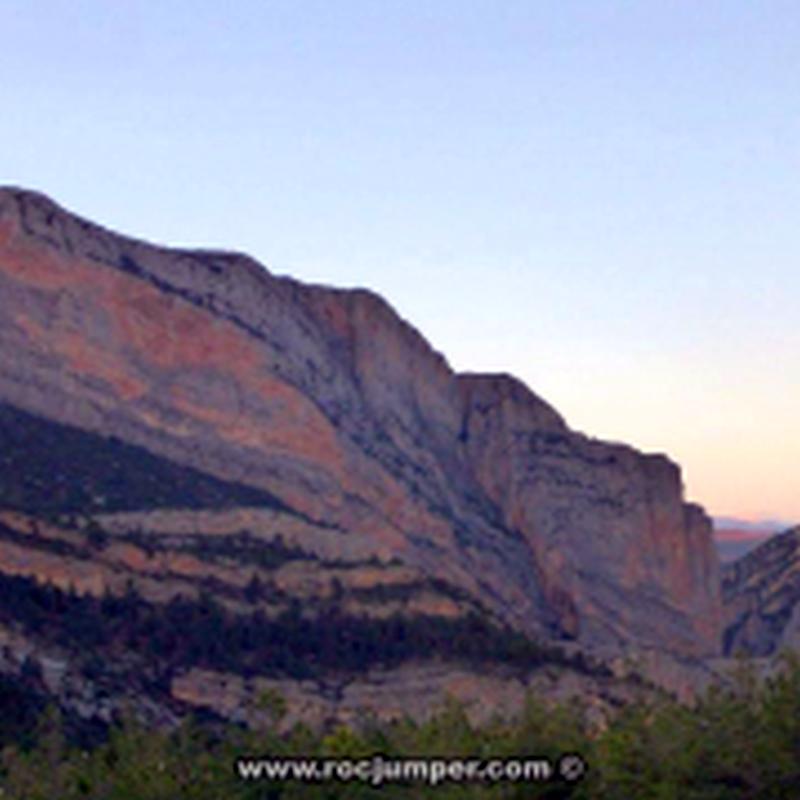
(184, 427)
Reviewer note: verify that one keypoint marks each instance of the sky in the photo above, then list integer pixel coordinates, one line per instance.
(601, 198)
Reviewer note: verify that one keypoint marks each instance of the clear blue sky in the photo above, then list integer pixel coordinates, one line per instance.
(600, 197)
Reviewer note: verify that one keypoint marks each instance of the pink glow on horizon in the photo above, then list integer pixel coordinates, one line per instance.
(741, 534)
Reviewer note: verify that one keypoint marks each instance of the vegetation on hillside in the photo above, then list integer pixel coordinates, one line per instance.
(737, 743)
(186, 633)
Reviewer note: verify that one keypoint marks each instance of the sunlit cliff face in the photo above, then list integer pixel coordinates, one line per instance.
(332, 403)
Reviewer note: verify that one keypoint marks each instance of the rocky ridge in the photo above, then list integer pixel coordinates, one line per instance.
(761, 592)
(332, 403)
(179, 425)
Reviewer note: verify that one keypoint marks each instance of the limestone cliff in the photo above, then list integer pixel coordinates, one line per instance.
(339, 413)
(761, 592)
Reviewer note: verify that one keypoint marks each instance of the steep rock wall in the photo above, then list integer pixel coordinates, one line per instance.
(336, 406)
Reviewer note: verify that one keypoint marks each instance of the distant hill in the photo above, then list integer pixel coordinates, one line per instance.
(736, 537)
(761, 592)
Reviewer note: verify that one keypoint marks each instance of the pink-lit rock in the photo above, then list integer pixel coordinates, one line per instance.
(333, 403)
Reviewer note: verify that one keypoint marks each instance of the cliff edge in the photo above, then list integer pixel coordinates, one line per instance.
(329, 404)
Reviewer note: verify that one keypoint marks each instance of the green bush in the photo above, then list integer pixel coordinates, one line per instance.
(738, 742)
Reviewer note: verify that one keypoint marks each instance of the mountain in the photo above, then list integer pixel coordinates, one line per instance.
(204, 463)
(736, 537)
(761, 592)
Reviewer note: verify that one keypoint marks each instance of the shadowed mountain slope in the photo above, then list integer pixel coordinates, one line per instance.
(761, 592)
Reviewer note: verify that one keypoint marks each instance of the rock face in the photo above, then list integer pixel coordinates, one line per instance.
(330, 405)
(761, 592)
(415, 689)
